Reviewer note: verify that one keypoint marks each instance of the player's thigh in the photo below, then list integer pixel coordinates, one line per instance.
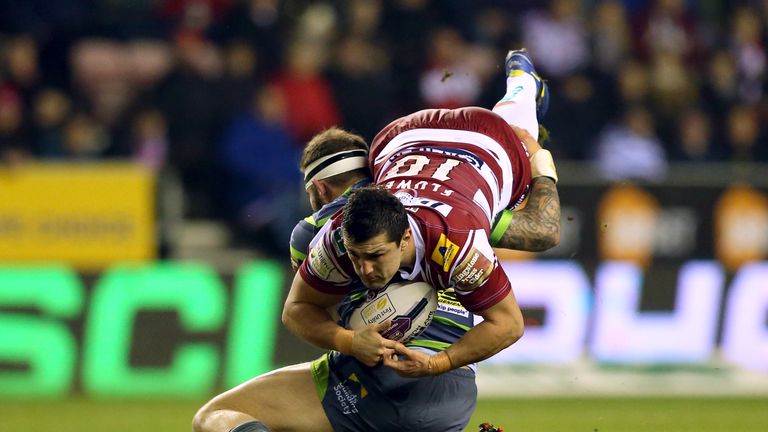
(284, 400)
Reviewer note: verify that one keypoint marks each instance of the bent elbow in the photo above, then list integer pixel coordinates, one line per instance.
(286, 316)
(549, 239)
(554, 238)
(545, 241)
(517, 332)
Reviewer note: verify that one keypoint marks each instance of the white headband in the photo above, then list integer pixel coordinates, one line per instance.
(337, 163)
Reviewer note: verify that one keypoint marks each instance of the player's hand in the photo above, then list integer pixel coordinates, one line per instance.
(531, 144)
(407, 362)
(541, 161)
(369, 346)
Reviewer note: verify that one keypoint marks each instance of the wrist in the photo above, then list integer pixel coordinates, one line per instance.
(542, 165)
(342, 341)
(439, 363)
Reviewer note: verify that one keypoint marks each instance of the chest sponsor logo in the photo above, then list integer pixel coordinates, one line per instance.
(473, 271)
(445, 252)
(378, 311)
(447, 303)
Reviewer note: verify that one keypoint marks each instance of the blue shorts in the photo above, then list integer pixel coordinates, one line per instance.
(359, 398)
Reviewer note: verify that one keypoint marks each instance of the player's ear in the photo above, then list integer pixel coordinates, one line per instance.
(322, 189)
(405, 239)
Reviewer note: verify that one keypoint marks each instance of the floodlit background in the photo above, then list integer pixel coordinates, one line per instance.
(149, 183)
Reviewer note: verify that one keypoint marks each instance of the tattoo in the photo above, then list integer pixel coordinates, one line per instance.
(536, 227)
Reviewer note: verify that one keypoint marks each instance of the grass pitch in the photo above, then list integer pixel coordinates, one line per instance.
(516, 415)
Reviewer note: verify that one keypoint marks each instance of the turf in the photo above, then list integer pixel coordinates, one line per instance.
(625, 415)
(516, 415)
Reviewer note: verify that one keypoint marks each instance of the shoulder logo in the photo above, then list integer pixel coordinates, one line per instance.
(320, 262)
(338, 242)
(473, 271)
(445, 252)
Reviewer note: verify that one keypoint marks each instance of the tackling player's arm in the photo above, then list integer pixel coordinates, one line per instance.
(536, 227)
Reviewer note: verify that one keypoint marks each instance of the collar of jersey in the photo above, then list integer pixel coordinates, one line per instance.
(418, 241)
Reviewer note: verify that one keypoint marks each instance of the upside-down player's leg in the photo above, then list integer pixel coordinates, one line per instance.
(527, 97)
(283, 400)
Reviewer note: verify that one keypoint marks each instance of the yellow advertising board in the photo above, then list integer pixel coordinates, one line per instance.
(88, 215)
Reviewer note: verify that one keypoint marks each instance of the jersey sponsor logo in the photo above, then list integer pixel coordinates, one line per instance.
(453, 310)
(445, 252)
(347, 393)
(295, 264)
(467, 156)
(378, 311)
(338, 242)
(320, 262)
(447, 303)
(473, 271)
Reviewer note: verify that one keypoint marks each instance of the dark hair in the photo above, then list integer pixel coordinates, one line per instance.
(371, 211)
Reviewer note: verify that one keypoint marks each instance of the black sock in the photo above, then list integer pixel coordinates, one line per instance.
(251, 426)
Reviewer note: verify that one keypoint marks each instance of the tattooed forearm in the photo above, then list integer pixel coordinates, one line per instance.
(535, 228)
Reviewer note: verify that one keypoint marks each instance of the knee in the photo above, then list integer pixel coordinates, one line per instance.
(200, 420)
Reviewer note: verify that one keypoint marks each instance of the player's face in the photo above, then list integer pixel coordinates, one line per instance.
(376, 260)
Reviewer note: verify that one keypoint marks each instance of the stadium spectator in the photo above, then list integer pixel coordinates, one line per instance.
(14, 137)
(362, 85)
(720, 89)
(21, 61)
(558, 38)
(743, 134)
(242, 68)
(149, 139)
(259, 158)
(672, 88)
(85, 138)
(749, 51)
(310, 103)
(449, 81)
(384, 242)
(630, 148)
(694, 138)
(262, 24)
(51, 109)
(667, 26)
(611, 37)
(405, 27)
(632, 85)
(189, 98)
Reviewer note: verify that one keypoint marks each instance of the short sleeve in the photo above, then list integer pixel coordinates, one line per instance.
(478, 279)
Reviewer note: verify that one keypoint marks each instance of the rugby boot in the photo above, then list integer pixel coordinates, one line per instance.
(519, 62)
(487, 427)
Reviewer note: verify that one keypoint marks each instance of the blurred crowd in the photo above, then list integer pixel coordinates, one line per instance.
(226, 92)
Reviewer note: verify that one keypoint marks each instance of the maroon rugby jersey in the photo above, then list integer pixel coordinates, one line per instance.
(453, 170)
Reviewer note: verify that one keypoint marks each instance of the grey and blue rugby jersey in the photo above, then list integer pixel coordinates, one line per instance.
(307, 228)
(451, 320)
